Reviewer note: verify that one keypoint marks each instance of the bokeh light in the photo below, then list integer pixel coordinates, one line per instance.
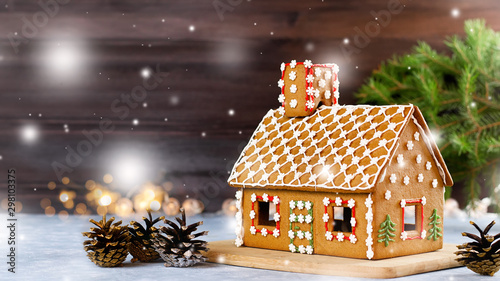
(29, 133)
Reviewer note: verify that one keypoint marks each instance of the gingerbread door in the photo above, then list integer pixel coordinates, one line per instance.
(301, 227)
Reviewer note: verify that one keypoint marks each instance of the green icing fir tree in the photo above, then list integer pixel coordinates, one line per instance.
(434, 232)
(386, 229)
(459, 94)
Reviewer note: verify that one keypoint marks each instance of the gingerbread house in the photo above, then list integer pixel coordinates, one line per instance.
(354, 181)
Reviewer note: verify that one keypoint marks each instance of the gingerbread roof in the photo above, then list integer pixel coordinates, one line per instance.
(338, 147)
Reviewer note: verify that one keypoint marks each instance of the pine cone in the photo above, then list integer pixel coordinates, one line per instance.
(480, 256)
(140, 246)
(177, 247)
(107, 246)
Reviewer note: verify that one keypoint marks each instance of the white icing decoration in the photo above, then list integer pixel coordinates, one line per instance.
(276, 232)
(281, 83)
(281, 98)
(293, 88)
(263, 231)
(308, 63)
(316, 93)
(336, 84)
(387, 195)
(308, 235)
(434, 183)
(253, 198)
(351, 203)
(403, 203)
(328, 75)
(265, 197)
(336, 94)
(277, 217)
(292, 75)
(338, 201)
(416, 136)
(420, 178)
(423, 234)
(369, 227)
(328, 94)
(302, 249)
(353, 222)
(309, 78)
(291, 234)
(335, 68)
(308, 219)
(293, 63)
(292, 248)
(406, 180)
(300, 234)
(326, 217)
(309, 250)
(419, 159)
(428, 165)
(404, 235)
(239, 220)
(281, 110)
(293, 103)
(282, 67)
(308, 205)
(400, 159)
(409, 145)
(322, 83)
(252, 214)
(329, 236)
(424, 200)
(353, 238)
(300, 205)
(253, 230)
(293, 218)
(393, 178)
(317, 71)
(340, 236)
(300, 218)
(310, 104)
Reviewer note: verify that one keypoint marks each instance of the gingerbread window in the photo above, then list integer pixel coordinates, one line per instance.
(266, 211)
(342, 225)
(412, 217)
(265, 215)
(342, 219)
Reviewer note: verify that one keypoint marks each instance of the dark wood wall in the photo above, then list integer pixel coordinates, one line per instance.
(221, 64)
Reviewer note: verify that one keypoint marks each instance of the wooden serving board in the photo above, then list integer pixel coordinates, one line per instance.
(227, 253)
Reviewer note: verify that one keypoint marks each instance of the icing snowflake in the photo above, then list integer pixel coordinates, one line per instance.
(293, 103)
(253, 230)
(400, 159)
(316, 93)
(428, 165)
(281, 98)
(310, 91)
(293, 88)
(351, 203)
(276, 200)
(276, 232)
(308, 219)
(335, 68)
(300, 218)
(338, 201)
(340, 236)
(253, 198)
(368, 202)
(404, 235)
(300, 234)
(252, 214)
(328, 75)
(403, 203)
(239, 194)
(369, 217)
(282, 67)
(310, 104)
(302, 249)
(309, 78)
(326, 217)
(420, 178)
(308, 205)
(353, 238)
(353, 221)
(308, 235)
(281, 83)
(300, 205)
(277, 217)
(309, 250)
(293, 218)
(383, 142)
(393, 178)
(434, 183)
(369, 254)
(293, 63)
(328, 236)
(416, 136)
(292, 248)
(265, 197)
(291, 234)
(292, 75)
(409, 145)
(263, 231)
(317, 71)
(308, 63)
(419, 159)
(406, 180)
(281, 110)
(387, 195)
(238, 242)
(392, 126)
(336, 94)
(336, 83)
(251, 174)
(328, 94)
(424, 200)
(322, 83)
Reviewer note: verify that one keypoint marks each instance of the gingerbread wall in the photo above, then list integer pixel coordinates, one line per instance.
(411, 175)
(347, 244)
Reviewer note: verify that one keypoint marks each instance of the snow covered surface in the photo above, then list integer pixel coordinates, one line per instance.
(51, 249)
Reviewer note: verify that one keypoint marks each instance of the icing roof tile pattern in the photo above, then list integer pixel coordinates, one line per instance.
(339, 147)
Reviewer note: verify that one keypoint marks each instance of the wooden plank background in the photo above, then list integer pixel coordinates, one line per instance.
(222, 64)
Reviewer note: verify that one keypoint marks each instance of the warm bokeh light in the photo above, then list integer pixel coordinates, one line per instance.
(101, 210)
(105, 200)
(229, 207)
(155, 205)
(124, 207)
(63, 196)
(80, 208)
(171, 208)
(107, 178)
(65, 180)
(51, 185)
(50, 211)
(45, 202)
(90, 185)
(63, 215)
(193, 206)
